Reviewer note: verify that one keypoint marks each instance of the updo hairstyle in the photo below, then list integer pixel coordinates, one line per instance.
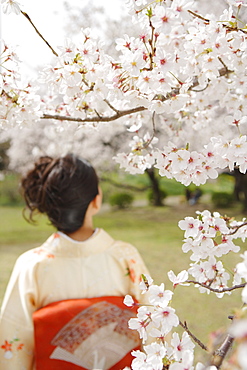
(62, 188)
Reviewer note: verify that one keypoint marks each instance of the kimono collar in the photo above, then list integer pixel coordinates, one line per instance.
(61, 244)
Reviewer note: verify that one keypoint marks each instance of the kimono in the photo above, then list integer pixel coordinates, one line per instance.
(63, 269)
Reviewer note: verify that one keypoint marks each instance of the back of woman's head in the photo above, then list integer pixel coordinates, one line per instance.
(62, 188)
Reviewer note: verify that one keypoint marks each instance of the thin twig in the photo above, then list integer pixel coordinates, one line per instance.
(214, 289)
(148, 142)
(204, 88)
(195, 339)
(47, 43)
(236, 229)
(111, 106)
(98, 115)
(198, 16)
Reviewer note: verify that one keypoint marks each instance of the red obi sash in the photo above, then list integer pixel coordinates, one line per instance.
(84, 334)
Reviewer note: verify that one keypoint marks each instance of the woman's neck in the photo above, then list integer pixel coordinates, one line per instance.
(84, 232)
(81, 234)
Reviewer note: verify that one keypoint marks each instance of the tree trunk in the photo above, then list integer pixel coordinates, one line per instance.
(155, 187)
(240, 188)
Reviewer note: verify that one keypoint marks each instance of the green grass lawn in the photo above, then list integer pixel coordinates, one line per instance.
(155, 233)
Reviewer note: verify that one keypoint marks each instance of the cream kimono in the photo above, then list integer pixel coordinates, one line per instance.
(62, 269)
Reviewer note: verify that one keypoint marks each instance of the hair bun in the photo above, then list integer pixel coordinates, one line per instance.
(62, 188)
(33, 184)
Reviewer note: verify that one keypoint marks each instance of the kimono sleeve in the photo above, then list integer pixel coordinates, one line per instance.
(16, 327)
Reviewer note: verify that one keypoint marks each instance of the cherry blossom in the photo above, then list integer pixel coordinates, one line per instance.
(241, 267)
(180, 279)
(155, 354)
(159, 296)
(129, 301)
(96, 78)
(11, 6)
(165, 318)
(181, 345)
(186, 362)
(237, 2)
(139, 361)
(190, 225)
(145, 283)
(141, 323)
(177, 91)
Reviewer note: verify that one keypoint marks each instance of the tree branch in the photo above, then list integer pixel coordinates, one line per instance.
(198, 16)
(123, 186)
(47, 43)
(214, 289)
(114, 117)
(236, 228)
(118, 114)
(195, 339)
(229, 28)
(224, 71)
(220, 353)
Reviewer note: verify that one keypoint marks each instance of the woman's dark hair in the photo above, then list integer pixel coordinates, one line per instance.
(62, 188)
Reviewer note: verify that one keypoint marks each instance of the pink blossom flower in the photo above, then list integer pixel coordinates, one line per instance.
(146, 283)
(159, 296)
(190, 225)
(11, 6)
(155, 354)
(162, 19)
(133, 62)
(186, 362)
(180, 159)
(219, 225)
(181, 345)
(180, 279)
(141, 323)
(139, 361)
(129, 301)
(165, 318)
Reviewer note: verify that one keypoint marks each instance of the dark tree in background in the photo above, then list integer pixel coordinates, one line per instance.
(240, 188)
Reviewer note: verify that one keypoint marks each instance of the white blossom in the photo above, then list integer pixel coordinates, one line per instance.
(11, 6)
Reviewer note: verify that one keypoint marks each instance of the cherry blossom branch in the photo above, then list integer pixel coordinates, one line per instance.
(220, 353)
(176, 91)
(239, 286)
(47, 43)
(97, 118)
(229, 28)
(151, 43)
(198, 16)
(195, 339)
(222, 72)
(236, 228)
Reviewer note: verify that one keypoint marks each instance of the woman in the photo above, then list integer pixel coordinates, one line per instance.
(76, 262)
